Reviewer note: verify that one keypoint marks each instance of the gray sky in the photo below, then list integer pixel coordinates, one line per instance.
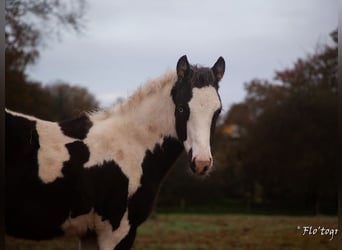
(125, 43)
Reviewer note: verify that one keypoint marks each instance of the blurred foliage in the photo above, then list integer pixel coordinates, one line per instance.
(29, 25)
(283, 156)
(70, 101)
(31, 22)
(55, 102)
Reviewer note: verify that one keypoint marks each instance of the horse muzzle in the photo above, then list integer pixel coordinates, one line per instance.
(201, 166)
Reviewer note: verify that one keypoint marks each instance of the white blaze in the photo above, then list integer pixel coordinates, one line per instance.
(204, 103)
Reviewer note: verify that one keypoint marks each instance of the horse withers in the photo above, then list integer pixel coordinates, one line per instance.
(98, 174)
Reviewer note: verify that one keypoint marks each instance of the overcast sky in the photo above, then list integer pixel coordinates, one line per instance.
(125, 43)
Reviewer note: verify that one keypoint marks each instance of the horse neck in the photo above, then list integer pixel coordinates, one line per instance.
(143, 129)
(151, 109)
(146, 118)
(153, 119)
(151, 122)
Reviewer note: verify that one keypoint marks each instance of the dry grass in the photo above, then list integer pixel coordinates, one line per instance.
(190, 232)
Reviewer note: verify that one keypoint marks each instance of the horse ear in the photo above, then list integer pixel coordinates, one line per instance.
(182, 67)
(219, 68)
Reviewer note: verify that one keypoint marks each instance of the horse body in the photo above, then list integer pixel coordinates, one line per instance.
(101, 172)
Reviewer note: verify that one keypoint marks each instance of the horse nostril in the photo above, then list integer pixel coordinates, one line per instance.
(202, 166)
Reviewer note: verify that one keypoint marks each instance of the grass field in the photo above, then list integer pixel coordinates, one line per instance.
(190, 232)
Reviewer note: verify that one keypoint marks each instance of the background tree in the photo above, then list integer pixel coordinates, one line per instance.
(289, 149)
(69, 101)
(30, 24)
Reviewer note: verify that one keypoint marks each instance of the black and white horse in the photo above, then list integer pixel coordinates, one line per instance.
(98, 175)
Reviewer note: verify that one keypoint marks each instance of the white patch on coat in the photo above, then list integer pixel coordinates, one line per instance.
(52, 151)
(79, 225)
(106, 237)
(28, 117)
(124, 133)
(203, 104)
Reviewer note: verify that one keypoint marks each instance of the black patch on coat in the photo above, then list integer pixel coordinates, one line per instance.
(127, 242)
(33, 209)
(213, 123)
(181, 94)
(107, 189)
(74, 173)
(103, 187)
(77, 128)
(36, 210)
(155, 166)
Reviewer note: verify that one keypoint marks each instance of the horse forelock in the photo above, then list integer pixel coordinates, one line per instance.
(202, 76)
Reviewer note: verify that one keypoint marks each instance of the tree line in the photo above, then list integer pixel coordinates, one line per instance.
(275, 151)
(29, 25)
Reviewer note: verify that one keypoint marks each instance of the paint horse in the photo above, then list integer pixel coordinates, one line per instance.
(97, 176)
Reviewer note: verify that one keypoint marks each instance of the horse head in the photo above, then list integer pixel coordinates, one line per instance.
(197, 106)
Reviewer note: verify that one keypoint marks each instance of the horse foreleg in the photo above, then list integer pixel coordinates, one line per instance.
(109, 239)
(128, 241)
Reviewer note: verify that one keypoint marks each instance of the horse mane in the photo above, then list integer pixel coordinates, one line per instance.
(151, 87)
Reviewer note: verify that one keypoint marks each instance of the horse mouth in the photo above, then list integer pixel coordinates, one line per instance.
(200, 168)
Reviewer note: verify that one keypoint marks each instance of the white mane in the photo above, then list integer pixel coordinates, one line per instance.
(150, 88)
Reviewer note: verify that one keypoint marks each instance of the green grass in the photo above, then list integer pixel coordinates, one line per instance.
(197, 232)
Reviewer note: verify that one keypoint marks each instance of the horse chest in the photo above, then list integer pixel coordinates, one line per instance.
(124, 150)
